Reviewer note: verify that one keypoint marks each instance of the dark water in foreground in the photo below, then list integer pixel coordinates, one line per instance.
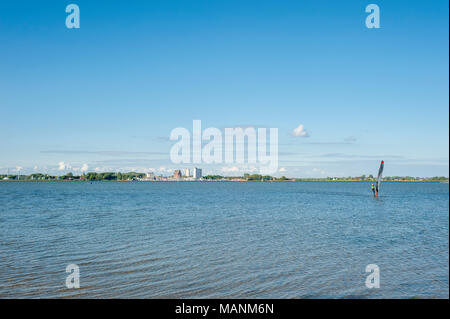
(223, 239)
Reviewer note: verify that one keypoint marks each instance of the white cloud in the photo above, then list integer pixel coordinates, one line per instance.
(19, 168)
(84, 167)
(232, 169)
(163, 169)
(239, 169)
(63, 166)
(300, 131)
(282, 170)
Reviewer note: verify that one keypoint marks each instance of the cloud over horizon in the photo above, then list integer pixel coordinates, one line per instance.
(63, 166)
(300, 131)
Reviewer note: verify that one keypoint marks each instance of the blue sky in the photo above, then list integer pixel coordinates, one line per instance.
(107, 95)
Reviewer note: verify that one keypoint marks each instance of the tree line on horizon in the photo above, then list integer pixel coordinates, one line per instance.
(91, 176)
(119, 176)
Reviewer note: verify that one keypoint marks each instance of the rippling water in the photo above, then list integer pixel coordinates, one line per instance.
(223, 239)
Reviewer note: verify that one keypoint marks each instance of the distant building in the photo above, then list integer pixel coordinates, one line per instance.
(197, 173)
(150, 175)
(186, 172)
(177, 174)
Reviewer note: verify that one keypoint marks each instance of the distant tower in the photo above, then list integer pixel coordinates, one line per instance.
(186, 172)
(197, 173)
(177, 174)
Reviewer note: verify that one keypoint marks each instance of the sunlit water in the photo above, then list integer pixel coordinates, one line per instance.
(223, 239)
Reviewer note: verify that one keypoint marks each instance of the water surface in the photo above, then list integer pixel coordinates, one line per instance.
(223, 239)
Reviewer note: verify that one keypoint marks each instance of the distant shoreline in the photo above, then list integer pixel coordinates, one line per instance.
(150, 177)
(228, 180)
